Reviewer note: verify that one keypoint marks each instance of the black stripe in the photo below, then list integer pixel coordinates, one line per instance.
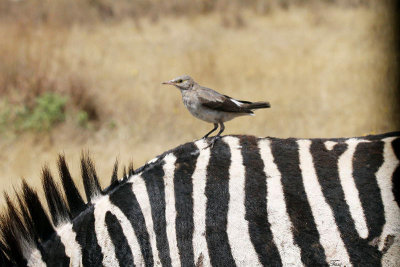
(53, 252)
(155, 189)
(184, 167)
(217, 193)
(83, 226)
(380, 136)
(396, 174)
(256, 203)
(367, 159)
(305, 233)
(126, 201)
(326, 166)
(122, 249)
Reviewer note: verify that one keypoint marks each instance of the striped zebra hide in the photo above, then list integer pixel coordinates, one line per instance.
(246, 201)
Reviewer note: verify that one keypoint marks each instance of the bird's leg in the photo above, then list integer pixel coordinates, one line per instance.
(221, 129)
(210, 132)
(218, 136)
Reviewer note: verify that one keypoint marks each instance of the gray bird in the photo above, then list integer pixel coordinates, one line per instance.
(211, 106)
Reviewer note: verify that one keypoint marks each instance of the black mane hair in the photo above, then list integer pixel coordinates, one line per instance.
(25, 224)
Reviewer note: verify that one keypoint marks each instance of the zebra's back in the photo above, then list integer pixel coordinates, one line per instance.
(247, 201)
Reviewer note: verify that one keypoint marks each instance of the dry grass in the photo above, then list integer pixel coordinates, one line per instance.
(327, 70)
(67, 12)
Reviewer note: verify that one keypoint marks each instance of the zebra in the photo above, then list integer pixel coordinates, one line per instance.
(247, 201)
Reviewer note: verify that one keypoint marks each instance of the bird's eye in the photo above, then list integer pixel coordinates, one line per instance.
(179, 81)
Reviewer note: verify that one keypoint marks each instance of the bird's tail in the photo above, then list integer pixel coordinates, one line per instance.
(256, 105)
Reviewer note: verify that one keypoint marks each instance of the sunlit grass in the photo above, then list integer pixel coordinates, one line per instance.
(327, 71)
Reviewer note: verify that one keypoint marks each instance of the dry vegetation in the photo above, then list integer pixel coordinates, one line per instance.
(329, 70)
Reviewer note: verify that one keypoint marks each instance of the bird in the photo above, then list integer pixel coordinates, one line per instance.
(210, 106)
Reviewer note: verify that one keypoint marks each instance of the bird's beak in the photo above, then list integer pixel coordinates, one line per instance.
(168, 82)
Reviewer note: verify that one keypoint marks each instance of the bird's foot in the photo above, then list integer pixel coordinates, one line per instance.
(213, 141)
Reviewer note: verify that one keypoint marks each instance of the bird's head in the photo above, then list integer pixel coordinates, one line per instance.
(184, 82)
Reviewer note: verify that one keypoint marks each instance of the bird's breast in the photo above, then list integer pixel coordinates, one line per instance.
(194, 106)
(191, 103)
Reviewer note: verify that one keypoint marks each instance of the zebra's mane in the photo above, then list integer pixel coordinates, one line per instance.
(25, 224)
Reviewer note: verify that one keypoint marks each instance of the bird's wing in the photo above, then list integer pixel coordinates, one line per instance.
(216, 101)
(240, 101)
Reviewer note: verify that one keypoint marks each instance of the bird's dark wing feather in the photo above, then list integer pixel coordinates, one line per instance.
(223, 104)
(241, 101)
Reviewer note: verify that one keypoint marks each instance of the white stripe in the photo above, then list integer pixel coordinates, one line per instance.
(351, 195)
(170, 212)
(384, 178)
(237, 227)
(323, 216)
(330, 144)
(130, 235)
(101, 206)
(72, 247)
(152, 160)
(281, 225)
(35, 259)
(199, 204)
(140, 191)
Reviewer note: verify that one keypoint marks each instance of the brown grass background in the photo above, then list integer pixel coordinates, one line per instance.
(329, 69)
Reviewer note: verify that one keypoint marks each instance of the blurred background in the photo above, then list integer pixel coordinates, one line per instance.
(85, 75)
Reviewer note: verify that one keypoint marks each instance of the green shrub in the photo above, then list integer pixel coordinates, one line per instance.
(4, 118)
(49, 109)
(83, 118)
